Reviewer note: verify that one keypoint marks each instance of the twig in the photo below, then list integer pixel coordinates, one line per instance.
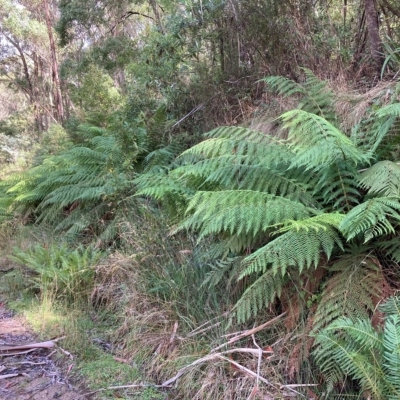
(191, 334)
(225, 314)
(206, 328)
(17, 354)
(8, 376)
(212, 357)
(260, 353)
(244, 369)
(172, 338)
(251, 331)
(27, 362)
(67, 353)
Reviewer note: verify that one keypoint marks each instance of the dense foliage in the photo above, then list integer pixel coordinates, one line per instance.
(293, 195)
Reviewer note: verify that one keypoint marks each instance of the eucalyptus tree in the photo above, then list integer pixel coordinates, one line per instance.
(29, 56)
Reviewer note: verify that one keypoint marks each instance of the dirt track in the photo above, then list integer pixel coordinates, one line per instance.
(39, 374)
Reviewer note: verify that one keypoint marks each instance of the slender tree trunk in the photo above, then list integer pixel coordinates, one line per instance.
(57, 96)
(157, 17)
(374, 38)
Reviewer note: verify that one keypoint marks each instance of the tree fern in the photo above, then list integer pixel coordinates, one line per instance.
(81, 189)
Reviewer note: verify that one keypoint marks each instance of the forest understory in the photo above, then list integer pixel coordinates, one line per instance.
(200, 199)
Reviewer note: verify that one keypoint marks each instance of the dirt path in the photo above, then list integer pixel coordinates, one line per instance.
(40, 374)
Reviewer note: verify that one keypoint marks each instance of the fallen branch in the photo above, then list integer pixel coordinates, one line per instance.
(28, 348)
(17, 354)
(42, 345)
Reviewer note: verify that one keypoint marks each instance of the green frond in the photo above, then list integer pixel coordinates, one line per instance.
(369, 135)
(348, 348)
(336, 188)
(391, 355)
(89, 131)
(316, 142)
(383, 178)
(391, 110)
(314, 94)
(223, 271)
(238, 134)
(391, 306)
(371, 218)
(214, 147)
(284, 86)
(317, 223)
(161, 186)
(161, 157)
(260, 295)
(239, 211)
(296, 248)
(156, 129)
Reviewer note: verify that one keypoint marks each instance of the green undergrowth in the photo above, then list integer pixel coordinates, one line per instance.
(139, 317)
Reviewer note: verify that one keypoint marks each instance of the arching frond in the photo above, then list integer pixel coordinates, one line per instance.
(348, 347)
(314, 94)
(317, 223)
(391, 110)
(371, 218)
(300, 248)
(337, 188)
(239, 211)
(260, 295)
(316, 142)
(391, 355)
(383, 178)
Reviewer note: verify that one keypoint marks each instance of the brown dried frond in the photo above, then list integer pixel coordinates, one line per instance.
(352, 104)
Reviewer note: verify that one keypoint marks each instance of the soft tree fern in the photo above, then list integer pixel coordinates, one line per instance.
(88, 188)
(279, 208)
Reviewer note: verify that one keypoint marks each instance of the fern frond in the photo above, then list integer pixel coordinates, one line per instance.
(317, 223)
(383, 178)
(224, 270)
(260, 294)
(355, 282)
(391, 355)
(298, 248)
(371, 218)
(238, 133)
(314, 94)
(89, 131)
(348, 348)
(336, 188)
(391, 110)
(316, 142)
(239, 211)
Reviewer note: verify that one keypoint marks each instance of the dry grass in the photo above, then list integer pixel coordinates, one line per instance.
(163, 334)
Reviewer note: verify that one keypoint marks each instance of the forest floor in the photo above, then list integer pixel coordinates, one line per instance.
(28, 372)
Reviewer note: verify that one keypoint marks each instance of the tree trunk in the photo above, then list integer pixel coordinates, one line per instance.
(374, 39)
(57, 97)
